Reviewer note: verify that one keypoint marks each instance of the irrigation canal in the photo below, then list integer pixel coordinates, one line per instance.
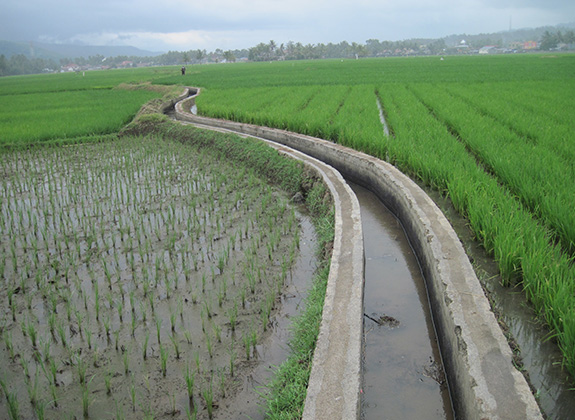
(403, 374)
(402, 371)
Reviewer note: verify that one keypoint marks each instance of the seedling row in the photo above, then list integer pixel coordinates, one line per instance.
(139, 277)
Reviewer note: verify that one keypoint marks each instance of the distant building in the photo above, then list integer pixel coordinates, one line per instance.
(70, 67)
(530, 45)
(462, 47)
(488, 49)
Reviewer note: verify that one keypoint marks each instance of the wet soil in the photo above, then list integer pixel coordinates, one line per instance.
(403, 376)
(135, 271)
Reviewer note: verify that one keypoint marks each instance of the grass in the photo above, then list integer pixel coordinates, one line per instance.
(285, 394)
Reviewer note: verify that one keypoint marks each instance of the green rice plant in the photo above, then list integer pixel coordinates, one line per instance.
(176, 344)
(209, 346)
(120, 307)
(96, 300)
(222, 377)
(208, 307)
(13, 308)
(53, 394)
(82, 367)
(86, 400)
(107, 324)
(164, 359)
(233, 315)
(126, 359)
(117, 339)
(145, 346)
(180, 307)
(50, 370)
(133, 393)
(108, 274)
(151, 300)
(146, 286)
(197, 361)
(254, 340)
(173, 321)
(192, 413)
(119, 411)
(158, 329)
(62, 335)
(143, 312)
(189, 377)
(217, 332)
(134, 324)
(168, 285)
(208, 394)
(221, 297)
(13, 405)
(32, 387)
(221, 263)
(8, 342)
(45, 346)
(247, 344)
(108, 382)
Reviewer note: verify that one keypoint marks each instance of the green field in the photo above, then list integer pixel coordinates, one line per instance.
(494, 133)
(43, 107)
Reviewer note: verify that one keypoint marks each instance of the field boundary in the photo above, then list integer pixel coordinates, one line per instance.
(482, 378)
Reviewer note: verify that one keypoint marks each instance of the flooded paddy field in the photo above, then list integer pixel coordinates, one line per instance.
(139, 279)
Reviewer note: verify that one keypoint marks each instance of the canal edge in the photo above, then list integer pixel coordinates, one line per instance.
(483, 381)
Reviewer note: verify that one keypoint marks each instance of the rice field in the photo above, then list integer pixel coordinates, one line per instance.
(492, 133)
(138, 278)
(39, 108)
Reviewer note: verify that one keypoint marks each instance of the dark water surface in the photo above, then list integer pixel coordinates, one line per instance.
(403, 374)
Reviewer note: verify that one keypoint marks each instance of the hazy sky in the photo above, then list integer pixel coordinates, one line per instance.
(229, 24)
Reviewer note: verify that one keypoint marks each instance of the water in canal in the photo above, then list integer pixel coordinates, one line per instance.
(403, 375)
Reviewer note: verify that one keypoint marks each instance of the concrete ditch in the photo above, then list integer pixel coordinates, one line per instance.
(483, 382)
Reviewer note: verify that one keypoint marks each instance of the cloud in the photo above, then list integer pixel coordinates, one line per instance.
(230, 24)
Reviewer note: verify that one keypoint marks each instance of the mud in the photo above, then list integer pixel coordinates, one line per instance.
(133, 272)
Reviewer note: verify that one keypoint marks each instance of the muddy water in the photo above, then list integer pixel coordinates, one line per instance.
(403, 376)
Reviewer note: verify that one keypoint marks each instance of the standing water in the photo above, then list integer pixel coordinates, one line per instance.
(403, 375)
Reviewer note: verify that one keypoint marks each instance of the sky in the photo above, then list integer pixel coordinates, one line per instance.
(182, 25)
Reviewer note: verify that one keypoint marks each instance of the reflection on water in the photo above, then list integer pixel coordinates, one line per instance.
(403, 375)
(274, 349)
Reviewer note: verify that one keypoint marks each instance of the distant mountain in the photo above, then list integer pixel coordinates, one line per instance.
(506, 37)
(58, 51)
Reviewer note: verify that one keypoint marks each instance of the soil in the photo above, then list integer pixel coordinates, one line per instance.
(129, 268)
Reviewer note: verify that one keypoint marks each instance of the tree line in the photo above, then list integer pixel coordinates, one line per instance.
(271, 51)
(551, 40)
